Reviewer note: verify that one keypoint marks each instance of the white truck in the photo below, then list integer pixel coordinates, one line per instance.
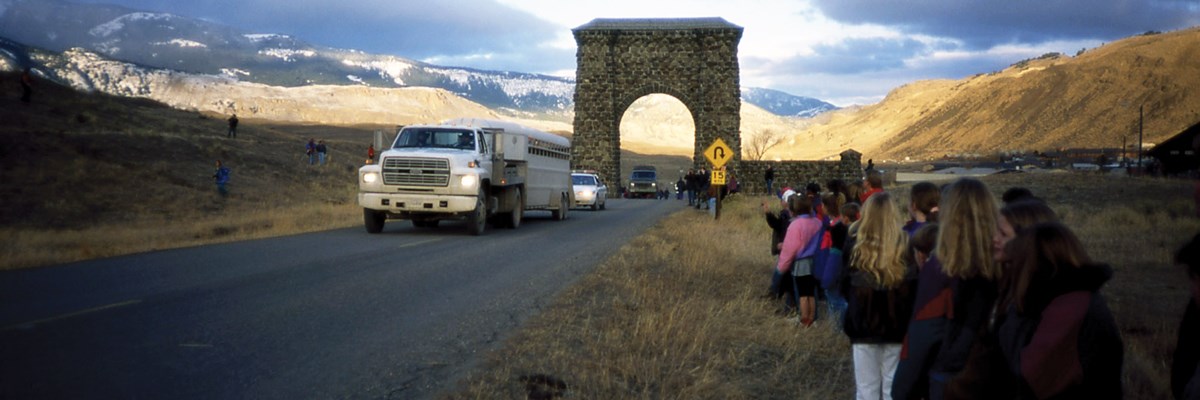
(478, 170)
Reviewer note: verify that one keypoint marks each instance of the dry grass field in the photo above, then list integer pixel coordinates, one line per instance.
(677, 313)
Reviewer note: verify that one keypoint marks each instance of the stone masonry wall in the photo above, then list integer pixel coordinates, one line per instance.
(796, 174)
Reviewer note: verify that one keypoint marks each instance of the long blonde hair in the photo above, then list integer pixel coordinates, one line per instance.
(880, 246)
(968, 221)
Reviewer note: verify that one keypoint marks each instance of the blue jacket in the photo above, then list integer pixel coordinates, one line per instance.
(222, 175)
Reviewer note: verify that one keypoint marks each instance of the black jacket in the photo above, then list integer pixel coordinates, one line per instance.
(1187, 352)
(1065, 344)
(779, 224)
(875, 314)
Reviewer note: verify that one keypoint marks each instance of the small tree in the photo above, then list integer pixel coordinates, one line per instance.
(758, 144)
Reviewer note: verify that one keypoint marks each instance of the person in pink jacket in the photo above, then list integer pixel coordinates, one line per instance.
(797, 254)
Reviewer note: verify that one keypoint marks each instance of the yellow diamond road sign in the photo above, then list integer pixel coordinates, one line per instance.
(718, 153)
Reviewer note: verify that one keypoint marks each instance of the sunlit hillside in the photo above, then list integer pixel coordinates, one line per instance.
(1090, 99)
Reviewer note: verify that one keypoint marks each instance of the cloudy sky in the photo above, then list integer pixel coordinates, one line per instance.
(841, 51)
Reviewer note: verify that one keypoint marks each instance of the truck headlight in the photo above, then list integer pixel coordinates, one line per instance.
(370, 177)
(468, 181)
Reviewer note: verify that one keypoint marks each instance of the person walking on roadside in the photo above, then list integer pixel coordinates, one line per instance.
(880, 287)
(221, 176)
(233, 121)
(27, 86)
(321, 149)
(371, 154)
(691, 186)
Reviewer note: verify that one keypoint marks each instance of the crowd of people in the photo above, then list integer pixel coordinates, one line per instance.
(953, 295)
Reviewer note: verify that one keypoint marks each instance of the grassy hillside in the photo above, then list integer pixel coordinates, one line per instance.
(1087, 100)
(89, 175)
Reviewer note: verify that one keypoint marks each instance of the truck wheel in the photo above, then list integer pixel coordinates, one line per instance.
(373, 220)
(603, 203)
(477, 222)
(517, 213)
(561, 213)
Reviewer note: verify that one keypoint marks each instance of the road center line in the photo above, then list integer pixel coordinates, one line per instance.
(71, 314)
(418, 243)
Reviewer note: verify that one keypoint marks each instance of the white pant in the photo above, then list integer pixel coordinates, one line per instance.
(874, 368)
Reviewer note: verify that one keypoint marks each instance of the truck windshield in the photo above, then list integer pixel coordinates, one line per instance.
(435, 138)
(643, 175)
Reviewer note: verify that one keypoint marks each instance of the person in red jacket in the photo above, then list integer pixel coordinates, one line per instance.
(873, 184)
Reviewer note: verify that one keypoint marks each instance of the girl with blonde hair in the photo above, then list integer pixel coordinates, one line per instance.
(880, 289)
(957, 289)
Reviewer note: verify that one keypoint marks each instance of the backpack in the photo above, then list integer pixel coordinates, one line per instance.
(815, 263)
(827, 260)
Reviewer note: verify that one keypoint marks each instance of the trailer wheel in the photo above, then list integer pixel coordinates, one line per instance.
(561, 213)
(373, 220)
(477, 222)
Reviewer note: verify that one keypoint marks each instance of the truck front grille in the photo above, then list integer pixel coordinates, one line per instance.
(642, 186)
(416, 171)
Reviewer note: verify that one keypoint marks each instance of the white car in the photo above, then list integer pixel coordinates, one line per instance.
(590, 191)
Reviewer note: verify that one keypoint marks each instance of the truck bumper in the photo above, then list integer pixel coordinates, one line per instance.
(409, 203)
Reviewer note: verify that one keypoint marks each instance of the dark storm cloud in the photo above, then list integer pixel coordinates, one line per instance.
(408, 28)
(983, 24)
(857, 55)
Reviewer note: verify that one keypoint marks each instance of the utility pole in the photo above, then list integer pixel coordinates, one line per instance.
(1141, 120)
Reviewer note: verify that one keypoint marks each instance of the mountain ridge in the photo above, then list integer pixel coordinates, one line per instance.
(168, 41)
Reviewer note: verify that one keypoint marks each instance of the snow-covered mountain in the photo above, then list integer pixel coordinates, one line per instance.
(167, 41)
(187, 45)
(784, 104)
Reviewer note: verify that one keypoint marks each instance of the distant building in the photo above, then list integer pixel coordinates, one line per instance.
(1179, 154)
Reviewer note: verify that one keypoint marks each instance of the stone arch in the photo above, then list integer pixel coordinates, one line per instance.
(621, 60)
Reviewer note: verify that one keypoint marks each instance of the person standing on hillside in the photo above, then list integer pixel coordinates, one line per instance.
(221, 176)
(311, 151)
(26, 86)
(233, 121)
(321, 151)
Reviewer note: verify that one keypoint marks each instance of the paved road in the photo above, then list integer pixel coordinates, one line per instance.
(337, 314)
